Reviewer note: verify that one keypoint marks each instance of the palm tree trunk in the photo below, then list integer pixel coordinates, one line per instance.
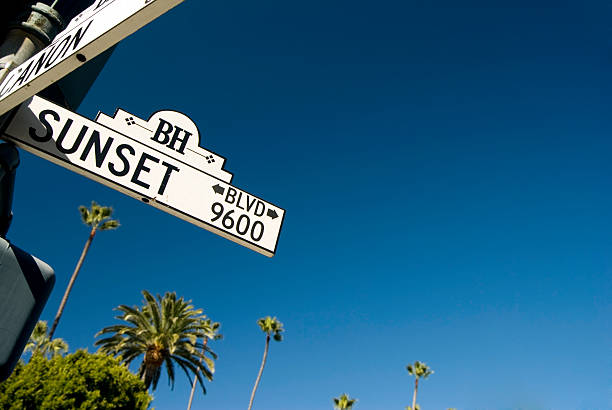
(58, 315)
(263, 363)
(416, 387)
(195, 379)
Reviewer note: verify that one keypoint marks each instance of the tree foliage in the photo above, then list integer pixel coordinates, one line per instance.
(212, 334)
(270, 325)
(39, 342)
(80, 380)
(166, 331)
(419, 369)
(98, 217)
(344, 402)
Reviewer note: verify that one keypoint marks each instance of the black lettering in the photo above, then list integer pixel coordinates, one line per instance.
(257, 237)
(50, 60)
(183, 140)
(99, 152)
(78, 37)
(101, 3)
(24, 74)
(169, 169)
(238, 201)
(164, 128)
(250, 204)
(126, 164)
(38, 65)
(6, 89)
(263, 208)
(246, 225)
(77, 142)
(48, 128)
(141, 167)
(231, 193)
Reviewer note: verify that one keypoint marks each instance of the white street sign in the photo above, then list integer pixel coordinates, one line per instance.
(158, 161)
(100, 26)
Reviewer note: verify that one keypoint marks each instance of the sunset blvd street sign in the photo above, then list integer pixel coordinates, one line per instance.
(100, 26)
(158, 161)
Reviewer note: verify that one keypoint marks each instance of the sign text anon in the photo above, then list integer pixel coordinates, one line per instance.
(44, 60)
(103, 24)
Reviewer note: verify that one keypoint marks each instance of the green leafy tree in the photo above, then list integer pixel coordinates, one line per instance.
(212, 334)
(271, 327)
(98, 219)
(344, 402)
(418, 370)
(39, 342)
(165, 331)
(81, 380)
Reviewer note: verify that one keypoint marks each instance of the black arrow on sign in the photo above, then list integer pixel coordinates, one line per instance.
(218, 189)
(272, 214)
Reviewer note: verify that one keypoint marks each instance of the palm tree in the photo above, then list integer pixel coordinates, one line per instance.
(268, 325)
(418, 370)
(98, 219)
(344, 402)
(166, 331)
(40, 343)
(212, 334)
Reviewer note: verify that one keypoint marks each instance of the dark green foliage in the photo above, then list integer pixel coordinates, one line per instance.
(39, 342)
(271, 325)
(165, 331)
(80, 380)
(344, 402)
(419, 369)
(98, 217)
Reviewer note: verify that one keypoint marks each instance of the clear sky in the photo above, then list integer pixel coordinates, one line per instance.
(445, 170)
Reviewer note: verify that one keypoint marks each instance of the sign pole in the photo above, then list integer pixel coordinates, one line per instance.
(26, 38)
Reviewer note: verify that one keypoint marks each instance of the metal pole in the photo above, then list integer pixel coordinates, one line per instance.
(26, 37)
(9, 161)
(33, 30)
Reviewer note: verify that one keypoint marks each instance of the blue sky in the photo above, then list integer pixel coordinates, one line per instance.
(446, 179)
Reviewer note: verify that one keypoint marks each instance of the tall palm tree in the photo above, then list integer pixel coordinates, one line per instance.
(269, 325)
(212, 334)
(418, 370)
(40, 343)
(166, 331)
(344, 402)
(98, 219)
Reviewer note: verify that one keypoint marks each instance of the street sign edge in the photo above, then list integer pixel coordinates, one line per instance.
(135, 195)
(101, 41)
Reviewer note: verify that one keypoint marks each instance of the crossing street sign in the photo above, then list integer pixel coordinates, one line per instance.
(100, 26)
(158, 161)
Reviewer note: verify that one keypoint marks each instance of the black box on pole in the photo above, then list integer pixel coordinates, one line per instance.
(25, 286)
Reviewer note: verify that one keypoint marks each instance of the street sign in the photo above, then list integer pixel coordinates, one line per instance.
(158, 161)
(100, 26)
